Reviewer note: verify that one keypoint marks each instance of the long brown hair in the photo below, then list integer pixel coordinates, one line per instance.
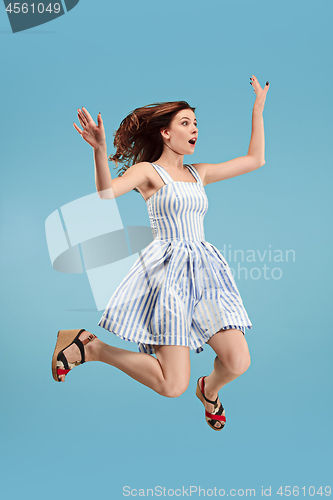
(138, 137)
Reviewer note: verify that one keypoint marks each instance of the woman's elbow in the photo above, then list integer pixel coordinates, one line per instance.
(255, 162)
(106, 194)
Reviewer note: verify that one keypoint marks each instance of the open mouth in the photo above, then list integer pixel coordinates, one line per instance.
(193, 141)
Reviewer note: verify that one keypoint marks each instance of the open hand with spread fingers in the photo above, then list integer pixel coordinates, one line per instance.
(261, 93)
(91, 132)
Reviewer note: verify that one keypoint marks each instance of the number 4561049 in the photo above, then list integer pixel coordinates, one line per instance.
(303, 491)
(40, 8)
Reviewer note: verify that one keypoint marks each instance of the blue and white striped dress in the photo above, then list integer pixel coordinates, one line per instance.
(181, 290)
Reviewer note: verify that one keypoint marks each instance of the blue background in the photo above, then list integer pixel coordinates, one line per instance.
(101, 430)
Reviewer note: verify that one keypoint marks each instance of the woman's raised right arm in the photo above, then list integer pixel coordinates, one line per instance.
(107, 187)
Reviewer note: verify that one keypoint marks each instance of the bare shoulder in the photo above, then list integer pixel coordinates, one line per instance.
(144, 172)
(151, 181)
(139, 172)
(135, 176)
(141, 168)
(201, 169)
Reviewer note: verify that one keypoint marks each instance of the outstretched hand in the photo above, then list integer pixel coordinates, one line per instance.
(261, 93)
(91, 132)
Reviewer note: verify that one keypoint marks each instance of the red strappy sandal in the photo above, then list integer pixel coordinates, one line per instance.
(218, 415)
(60, 365)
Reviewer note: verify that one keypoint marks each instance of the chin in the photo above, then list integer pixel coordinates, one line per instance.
(190, 151)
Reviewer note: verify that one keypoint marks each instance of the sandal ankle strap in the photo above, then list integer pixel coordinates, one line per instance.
(82, 343)
(88, 339)
(203, 392)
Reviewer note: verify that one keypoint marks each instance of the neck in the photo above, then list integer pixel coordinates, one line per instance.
(171, 158)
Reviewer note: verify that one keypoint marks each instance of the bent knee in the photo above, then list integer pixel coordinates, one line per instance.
(175, 389)
(241, 364)
(237, 364)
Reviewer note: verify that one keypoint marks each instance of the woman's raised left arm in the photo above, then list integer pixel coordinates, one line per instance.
(255, 158)
(257, 143)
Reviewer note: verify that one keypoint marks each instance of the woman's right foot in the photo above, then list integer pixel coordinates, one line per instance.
(213, 406)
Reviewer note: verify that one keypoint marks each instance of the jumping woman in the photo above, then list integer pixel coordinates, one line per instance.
(180, 294)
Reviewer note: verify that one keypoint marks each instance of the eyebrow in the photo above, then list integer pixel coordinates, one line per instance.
(187, 118)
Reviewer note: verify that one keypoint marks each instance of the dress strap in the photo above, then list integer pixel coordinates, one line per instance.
(166, 178)
(195, 173)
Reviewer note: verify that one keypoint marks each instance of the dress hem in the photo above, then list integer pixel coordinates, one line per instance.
(148, 347)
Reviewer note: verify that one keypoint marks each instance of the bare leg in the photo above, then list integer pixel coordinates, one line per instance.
(232, 360)
(168, 374)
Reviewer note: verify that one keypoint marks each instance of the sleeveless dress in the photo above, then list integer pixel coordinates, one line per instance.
(180, 291)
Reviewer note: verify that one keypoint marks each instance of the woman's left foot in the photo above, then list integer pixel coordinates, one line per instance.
(70, 347)
(214, 411)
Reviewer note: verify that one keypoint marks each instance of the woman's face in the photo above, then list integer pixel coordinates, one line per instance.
(182, 134)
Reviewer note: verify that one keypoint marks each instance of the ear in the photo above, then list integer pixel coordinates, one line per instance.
(165, 133)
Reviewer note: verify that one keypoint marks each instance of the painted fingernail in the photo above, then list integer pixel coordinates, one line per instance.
(267, 83)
